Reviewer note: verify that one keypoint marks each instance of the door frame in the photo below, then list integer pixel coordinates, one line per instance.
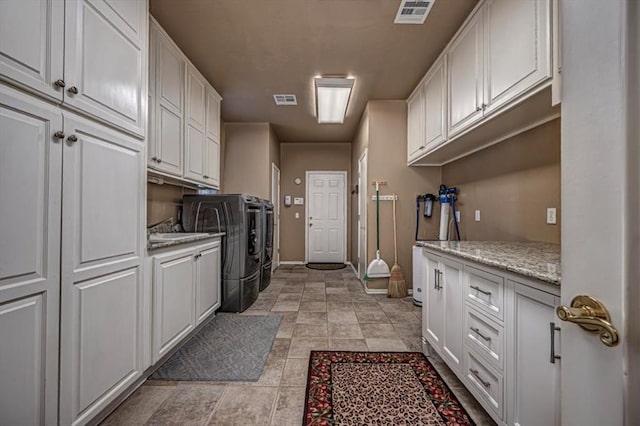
(362, 210)
(275, 184)
(306, 211)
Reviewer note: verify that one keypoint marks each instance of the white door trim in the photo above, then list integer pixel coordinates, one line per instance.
(275, 171)
(306, 212)
(362, 213)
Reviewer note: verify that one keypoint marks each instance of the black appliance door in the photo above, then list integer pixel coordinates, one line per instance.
(254, 242)
(268, 244)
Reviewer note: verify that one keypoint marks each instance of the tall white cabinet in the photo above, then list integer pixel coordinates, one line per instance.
(31, 190)
(73, 107)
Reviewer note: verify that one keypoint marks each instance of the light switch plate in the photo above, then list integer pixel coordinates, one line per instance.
(477, 215)
(551, 216)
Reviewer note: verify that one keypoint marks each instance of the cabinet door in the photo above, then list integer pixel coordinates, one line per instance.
(451, 283)
(102, 235)
(517, 48)
(174, 300)
(32, 44)
(213, 163)
(30, 190)
(533, 380)
(212, 158)
(465, 69)
(208, 280)
(435, 95)
(195, 129)
(106, 61)
(213, 114)
(433, 307)
(415, 125)
(168, 120)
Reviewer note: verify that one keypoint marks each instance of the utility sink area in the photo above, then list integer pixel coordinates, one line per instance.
(174, 236)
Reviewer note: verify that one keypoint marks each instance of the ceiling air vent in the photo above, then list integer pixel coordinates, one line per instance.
(285, 99)
(413, 11)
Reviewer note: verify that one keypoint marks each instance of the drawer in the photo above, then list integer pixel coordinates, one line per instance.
(484, 383)
(485, 291)
(485, 336)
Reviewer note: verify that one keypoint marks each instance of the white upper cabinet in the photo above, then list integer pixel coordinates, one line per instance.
(195, 142)
(435, 102)
(89, 54)
(168, 66)
(32, 45)
(500, 58)
(466, 76)
(415, 124)
(518, 46)
(105, 61)
(185, 116)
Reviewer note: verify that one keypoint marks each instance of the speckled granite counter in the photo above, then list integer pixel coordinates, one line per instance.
(162, 244)
(529, 258)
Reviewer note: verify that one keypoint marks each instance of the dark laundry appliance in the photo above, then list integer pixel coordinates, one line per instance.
(240, 217)
(267, 256)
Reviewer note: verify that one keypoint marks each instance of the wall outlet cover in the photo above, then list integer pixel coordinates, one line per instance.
(298, 201)
(551, 216)
(458, 216)
(477, 215)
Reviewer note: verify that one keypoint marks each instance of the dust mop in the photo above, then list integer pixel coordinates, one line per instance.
(378, 267)
(397, 284)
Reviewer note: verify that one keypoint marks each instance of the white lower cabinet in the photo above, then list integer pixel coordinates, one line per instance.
(497, 331)
(442, 321)
(533, 369)
(186, 291)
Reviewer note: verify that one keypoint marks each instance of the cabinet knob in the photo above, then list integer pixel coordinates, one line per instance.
(205, 176)
(72, 139)
(154, 158)
(59, 134)
(478, 108)
(159, 160)
(59, 83)
(73, 90)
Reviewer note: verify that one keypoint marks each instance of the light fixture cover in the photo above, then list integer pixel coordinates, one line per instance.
(332, 98)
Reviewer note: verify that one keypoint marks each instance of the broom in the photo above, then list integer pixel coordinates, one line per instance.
(397, 284)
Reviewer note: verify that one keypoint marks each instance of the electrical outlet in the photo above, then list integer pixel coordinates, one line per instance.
(551, 216)
(458, 216)
(477, 215)
(297, 215)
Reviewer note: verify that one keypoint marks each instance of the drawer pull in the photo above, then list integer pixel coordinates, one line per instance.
(477, 331)
(478, 289)
(476, 374)
(552, 331)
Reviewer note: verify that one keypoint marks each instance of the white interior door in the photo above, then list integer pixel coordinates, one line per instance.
(362, 214)
(275, 199)
(326, 217)
(599, 384)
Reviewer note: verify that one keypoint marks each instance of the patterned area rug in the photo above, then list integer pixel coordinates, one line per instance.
(357, 388)
(326, 266)
(231, 347)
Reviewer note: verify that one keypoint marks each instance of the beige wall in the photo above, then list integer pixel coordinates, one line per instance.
(295, 160)
(387, 161)
(512, 184)
(163, 201)
(247, 169)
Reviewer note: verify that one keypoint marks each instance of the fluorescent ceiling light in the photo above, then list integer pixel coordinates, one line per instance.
(332, 98)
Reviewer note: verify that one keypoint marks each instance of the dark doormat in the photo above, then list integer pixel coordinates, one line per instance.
(378, 388)
(326, 266)
(229, 348)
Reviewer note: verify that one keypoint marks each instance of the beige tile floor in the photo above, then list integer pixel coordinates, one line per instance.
(321, 310)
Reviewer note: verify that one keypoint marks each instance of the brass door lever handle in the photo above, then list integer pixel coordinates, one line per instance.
(590, 314)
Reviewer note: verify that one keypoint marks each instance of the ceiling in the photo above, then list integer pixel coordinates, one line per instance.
(250, 50)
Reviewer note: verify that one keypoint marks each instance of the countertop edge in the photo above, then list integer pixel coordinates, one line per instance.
(165, 244)
(550, 278)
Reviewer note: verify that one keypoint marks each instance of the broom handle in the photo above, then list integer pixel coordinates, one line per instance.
(395, 240)
(377, 216)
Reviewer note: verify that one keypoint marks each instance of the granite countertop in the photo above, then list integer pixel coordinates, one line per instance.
(162, 244)
(529, 258)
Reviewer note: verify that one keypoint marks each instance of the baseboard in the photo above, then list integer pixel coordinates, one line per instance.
(353, 268)
(292, 262)
(380, 290)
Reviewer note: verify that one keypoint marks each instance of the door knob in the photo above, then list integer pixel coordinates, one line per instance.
(590, 314)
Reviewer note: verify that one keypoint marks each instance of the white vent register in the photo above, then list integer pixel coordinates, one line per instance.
(413, 11)
(285, 99)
